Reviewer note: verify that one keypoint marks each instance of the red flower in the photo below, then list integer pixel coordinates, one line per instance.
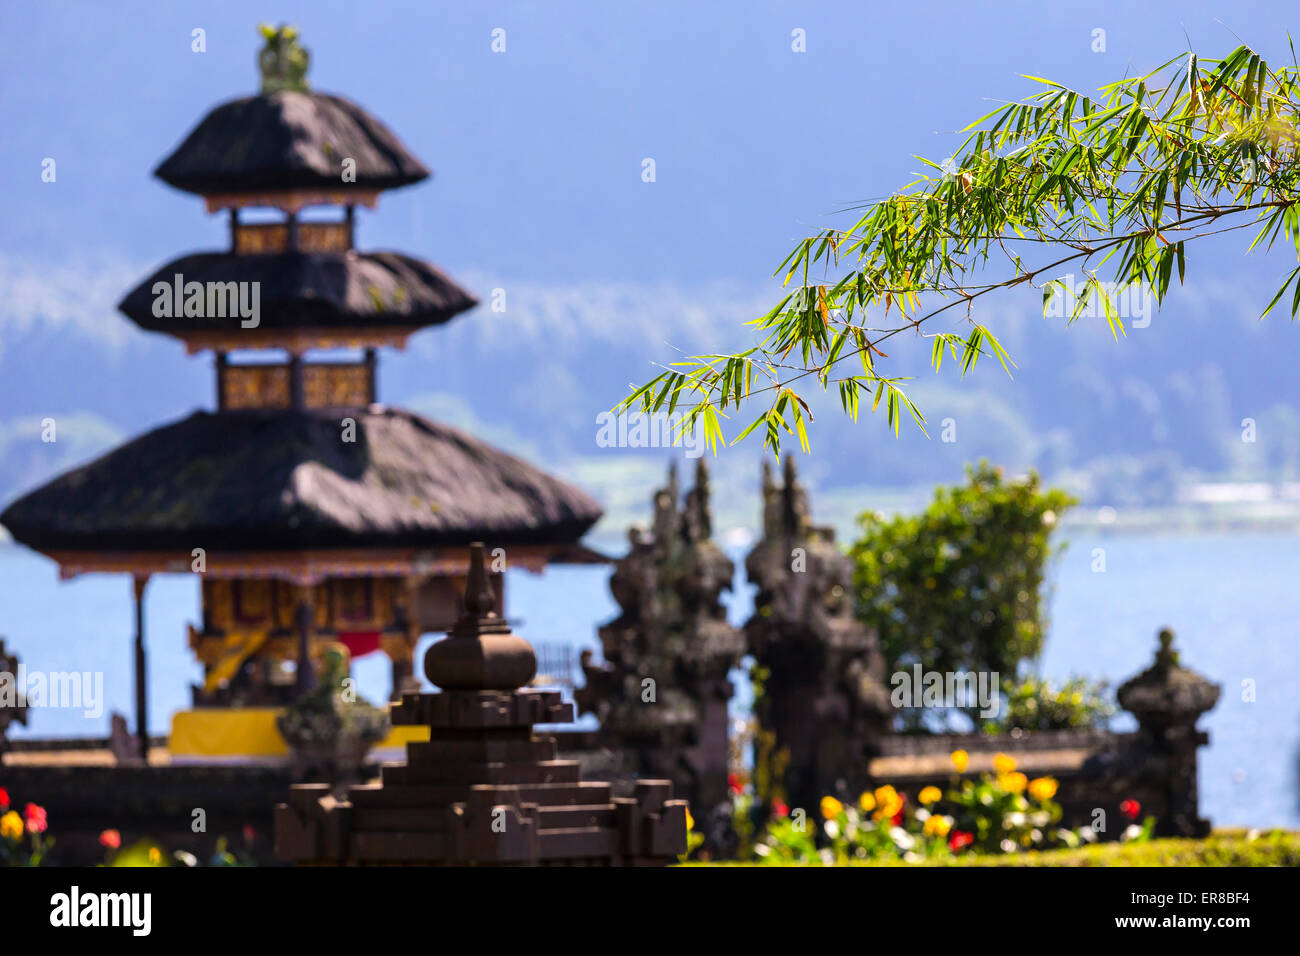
(111, 839)
(36, 822)
(733, 782)
(250, 833)
(898, 817)
(779, 809)
(1130, 808)
(4, 799)
(959, 840)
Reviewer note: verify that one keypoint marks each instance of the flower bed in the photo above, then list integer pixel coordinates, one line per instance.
(1221, 848)
(23, 840)
(1004, 812)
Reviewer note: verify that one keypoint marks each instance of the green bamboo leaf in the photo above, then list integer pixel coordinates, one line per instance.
(1295, 272)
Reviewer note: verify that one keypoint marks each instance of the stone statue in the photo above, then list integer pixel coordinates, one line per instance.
(329, 729)
(1167, 699)
(15, 711)
(823, 696)
(662, 694)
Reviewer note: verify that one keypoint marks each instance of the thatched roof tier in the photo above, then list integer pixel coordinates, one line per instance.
(319, 290)
(279, 480)
(288, 140)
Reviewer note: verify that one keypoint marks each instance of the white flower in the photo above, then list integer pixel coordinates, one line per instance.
(902, 839)
(1008, 846)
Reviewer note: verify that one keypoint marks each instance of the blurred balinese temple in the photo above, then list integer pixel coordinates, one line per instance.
(311, 512)
(661, 694)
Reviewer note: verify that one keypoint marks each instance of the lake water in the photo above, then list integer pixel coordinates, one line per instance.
(1232, 600)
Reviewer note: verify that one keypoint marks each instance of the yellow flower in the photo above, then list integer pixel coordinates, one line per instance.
(888, 803)
(1004, 764)
(690, 820)
(11, 826)
(937, 826)
(867, 802)
(831, 808)
(960, 759)
(930, 795)
(1042, 788)
(1013, 782)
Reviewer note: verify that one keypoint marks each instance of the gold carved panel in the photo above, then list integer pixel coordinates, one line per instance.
(336, 386)
(263, 238)
(255, 386)
(342, 385)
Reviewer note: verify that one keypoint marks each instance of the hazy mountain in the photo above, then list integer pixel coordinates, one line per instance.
(1120, 422)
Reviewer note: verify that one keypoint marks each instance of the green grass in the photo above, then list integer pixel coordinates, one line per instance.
(1221, 848)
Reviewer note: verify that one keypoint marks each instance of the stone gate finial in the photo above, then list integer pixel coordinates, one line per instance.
(1167, 699)
(480, 652)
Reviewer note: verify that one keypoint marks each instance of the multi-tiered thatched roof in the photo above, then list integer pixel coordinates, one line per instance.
(277, 479)
(286, 140)
(320, 290)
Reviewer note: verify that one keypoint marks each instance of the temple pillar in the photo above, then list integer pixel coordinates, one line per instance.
(372, 373)
(222, 364)
(297, 386)
(400, 648)
(138, 583)
(305, 675)
(401, 653)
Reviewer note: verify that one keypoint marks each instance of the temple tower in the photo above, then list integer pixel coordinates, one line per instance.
(311, 512)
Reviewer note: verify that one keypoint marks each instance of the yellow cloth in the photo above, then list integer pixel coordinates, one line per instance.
(249, 732)
(238, 648)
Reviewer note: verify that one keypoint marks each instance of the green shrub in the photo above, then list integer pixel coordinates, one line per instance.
(958, 587)
(1034, 704)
